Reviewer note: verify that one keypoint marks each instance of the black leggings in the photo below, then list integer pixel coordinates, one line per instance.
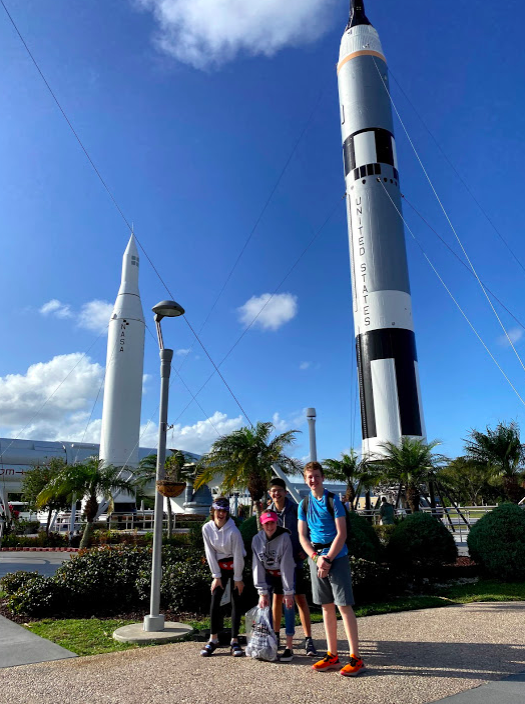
(216, 597)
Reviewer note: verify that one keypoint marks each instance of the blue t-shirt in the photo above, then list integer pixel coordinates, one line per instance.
(320, 522)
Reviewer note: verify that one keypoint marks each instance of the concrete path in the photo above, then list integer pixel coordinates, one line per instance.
(45, 563)
(414, 657)
(18, 646)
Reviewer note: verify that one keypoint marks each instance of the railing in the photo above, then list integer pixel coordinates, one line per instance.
(141, 521)
(458, 521)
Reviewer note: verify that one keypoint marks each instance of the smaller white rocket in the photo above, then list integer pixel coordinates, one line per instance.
(119, 436)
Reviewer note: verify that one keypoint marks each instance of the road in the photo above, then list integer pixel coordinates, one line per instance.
(45, 563)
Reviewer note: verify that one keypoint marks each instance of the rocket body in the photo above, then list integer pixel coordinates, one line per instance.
(388, 375)
(119, 439)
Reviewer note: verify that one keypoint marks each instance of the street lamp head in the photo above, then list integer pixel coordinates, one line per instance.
(167, 309)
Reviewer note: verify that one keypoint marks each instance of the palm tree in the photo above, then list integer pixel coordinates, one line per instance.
(93, 481)
(411, 463)
(468, 479)
(349, 469)
(245, 458)
(501, 451)
(174, 468)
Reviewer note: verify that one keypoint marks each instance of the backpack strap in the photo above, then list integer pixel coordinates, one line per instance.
(330, 503)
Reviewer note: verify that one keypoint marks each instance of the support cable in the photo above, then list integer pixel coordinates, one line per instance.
(450, 293)
(445, 213)
(461, 179)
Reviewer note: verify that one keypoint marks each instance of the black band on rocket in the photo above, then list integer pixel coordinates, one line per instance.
(400, 345)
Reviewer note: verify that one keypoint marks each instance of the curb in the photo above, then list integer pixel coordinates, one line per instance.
(39, 549)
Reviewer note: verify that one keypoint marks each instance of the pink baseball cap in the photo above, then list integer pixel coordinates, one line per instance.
(269, 516)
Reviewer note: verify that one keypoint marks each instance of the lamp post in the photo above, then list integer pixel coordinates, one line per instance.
(165, 309)
(311, 416)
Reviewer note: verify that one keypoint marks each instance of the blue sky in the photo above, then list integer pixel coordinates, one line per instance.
(190, 111)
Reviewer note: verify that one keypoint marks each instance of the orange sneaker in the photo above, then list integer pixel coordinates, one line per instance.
(329, 662)
(354, 667)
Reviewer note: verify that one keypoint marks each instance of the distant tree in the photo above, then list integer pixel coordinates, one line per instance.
(349, 469)
(174, 468)
(245, 458)
(36, 480)
(468, 480)
(92, 481)
(411, 463)
(500, 450)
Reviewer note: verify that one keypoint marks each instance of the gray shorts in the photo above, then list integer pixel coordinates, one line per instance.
(337, 587)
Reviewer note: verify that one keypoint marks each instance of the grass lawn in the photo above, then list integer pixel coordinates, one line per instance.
(83, 636)
(93, 636)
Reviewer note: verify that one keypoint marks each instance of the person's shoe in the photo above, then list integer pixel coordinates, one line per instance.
(354, 667)
(287, 655)
(329, 662)
(310, 647)
(236, 650)
(209, 649)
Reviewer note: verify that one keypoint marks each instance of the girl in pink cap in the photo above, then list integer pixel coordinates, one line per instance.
(273, 572)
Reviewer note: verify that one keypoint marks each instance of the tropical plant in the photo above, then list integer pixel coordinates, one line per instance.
(468, 480)
(411, 463)
(500, 450)
(349, 469)
(36, 480)
(497, 542)
(245, 459)
(176, 467)
(420, 540)
(92, 481)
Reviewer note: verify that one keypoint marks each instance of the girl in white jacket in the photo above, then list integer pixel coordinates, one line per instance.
(225, 554)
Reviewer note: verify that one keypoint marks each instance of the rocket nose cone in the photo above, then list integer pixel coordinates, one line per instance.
(357, 14)
(130, 267)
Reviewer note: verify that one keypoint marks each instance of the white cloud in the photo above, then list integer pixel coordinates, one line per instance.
(269, 312)
(56, 308)
(515, 335)
(206, 33)
(279, 423)
(95, 316)
(51, 399)
(196, 438)
(305, 365)
(183, 352)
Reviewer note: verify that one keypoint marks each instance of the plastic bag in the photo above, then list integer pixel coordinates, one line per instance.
(263, 643)
(250, 619)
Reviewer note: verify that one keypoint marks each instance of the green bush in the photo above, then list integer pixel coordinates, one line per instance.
(38, 596)
(13, 581)
(185, 583)
(103, 579)
(370, 581)
(248, 530)
(53, 540)
(384, 533)
(497, 542)
(421, 540)
(362, 539)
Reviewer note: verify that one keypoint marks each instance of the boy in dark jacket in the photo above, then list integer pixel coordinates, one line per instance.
(286, 510)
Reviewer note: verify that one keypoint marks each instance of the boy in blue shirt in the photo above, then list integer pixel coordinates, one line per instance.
(322, 533)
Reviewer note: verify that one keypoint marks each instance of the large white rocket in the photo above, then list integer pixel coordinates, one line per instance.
(119, 437)
(386, 346)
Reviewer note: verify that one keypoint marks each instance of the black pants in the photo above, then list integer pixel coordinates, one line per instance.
(216, 605)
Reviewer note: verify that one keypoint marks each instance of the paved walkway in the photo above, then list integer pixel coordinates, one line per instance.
(45, 563)
(18, 646)
(414, 657)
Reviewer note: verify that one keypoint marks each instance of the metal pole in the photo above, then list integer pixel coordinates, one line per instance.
(311, 415)
(155, 621)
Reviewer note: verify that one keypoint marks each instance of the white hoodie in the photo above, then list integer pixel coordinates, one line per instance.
(220, 543)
